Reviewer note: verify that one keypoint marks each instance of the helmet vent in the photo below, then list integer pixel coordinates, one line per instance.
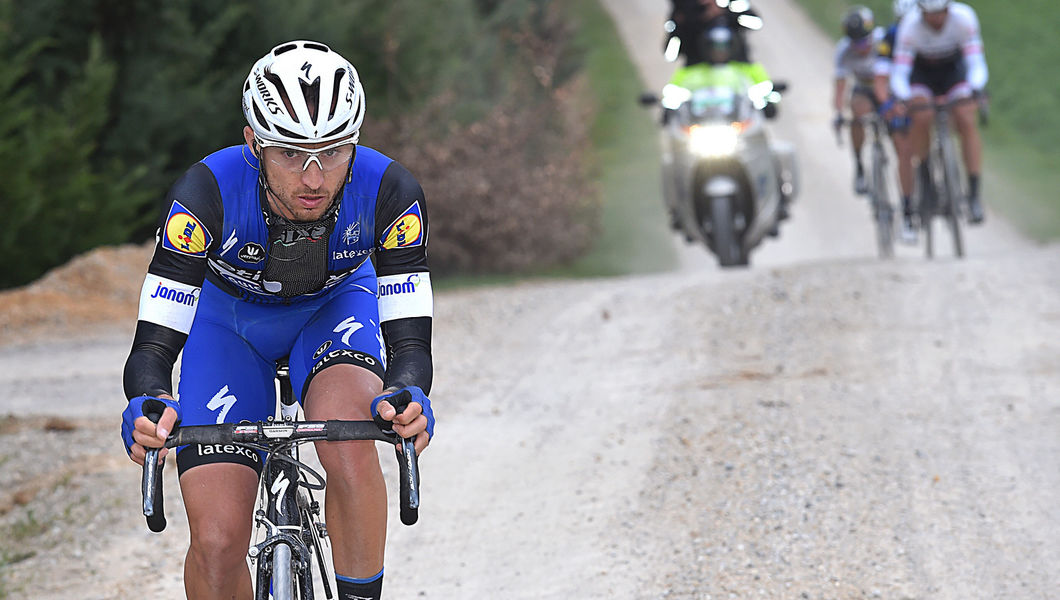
(290, 134)
(311, 93)
(278, 50)
(335, 92)
(315, 46)
(337, 129)
(260, 117)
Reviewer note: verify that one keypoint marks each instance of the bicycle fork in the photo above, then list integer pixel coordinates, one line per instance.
(283, 558)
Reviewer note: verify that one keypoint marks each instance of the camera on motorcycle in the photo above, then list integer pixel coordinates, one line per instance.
(648, 99)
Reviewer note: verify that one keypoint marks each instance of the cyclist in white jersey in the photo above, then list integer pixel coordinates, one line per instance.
(939, 56)
(855, 57)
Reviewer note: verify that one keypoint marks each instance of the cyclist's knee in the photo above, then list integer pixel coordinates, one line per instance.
(219, 549)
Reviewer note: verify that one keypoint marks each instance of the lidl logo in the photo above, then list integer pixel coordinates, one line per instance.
(406, 231)
(184, 233)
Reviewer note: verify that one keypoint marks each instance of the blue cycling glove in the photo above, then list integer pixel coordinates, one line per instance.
(400, 400)
(139, 407)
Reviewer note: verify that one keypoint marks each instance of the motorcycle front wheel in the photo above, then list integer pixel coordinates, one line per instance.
(722, 229)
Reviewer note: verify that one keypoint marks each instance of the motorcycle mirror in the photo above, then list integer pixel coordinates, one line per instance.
(648, 99)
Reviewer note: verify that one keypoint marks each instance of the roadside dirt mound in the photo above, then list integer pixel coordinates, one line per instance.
(95, 290)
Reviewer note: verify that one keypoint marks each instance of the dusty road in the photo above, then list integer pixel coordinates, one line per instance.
(823, 425)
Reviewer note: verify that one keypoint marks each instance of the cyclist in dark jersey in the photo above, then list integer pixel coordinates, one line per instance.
(298, 244)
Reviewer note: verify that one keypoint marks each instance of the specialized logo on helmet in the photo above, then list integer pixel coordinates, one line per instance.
(184, 233)
(406, 231)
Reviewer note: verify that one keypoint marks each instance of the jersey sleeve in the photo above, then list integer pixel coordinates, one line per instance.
(972, 49)
(191, 221)
(840, 59)
(406, 300)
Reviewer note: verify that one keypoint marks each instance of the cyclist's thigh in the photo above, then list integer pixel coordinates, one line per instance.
(222, 380)
(345, 330)
(862, 99)
(219, 499)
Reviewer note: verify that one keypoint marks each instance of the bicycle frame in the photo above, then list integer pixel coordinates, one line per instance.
(879, 195)
(946, 179)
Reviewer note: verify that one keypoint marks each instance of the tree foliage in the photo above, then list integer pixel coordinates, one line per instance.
(103, 103)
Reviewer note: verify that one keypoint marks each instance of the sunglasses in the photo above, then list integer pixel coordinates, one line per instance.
(296, 159)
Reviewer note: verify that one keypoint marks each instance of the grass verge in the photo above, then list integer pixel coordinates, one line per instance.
(633, 237)
(1020, 142)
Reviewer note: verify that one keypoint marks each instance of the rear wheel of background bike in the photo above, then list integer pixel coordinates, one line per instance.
(953, 206)
(884, 212)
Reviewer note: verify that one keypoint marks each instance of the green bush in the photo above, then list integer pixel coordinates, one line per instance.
(106, 102)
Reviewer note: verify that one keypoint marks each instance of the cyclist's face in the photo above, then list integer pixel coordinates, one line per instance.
(299, 194)
(936, 19)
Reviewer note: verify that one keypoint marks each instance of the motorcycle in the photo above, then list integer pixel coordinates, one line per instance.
(726, 184)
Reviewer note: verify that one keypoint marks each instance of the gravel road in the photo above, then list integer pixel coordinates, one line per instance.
(823, 425)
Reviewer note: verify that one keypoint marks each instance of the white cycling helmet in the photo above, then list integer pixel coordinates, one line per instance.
(933, 5)
(303, 92)
(903, 6)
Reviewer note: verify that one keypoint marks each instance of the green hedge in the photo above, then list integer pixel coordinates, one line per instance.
(105, 102)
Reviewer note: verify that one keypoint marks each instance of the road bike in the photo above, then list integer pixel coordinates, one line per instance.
(879, 193)
(946, 197)
(288, 518)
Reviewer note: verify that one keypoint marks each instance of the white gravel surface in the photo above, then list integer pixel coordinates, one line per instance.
(823, 425)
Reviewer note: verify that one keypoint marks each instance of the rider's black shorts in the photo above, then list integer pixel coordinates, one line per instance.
(939, 76)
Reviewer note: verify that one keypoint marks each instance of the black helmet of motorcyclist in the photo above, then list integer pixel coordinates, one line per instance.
(858, 23)
(716, 44)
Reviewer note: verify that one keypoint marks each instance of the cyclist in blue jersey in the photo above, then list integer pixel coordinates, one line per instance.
(897, 126)
(298, 244)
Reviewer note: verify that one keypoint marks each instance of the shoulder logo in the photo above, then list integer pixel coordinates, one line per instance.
(251, 253)
(406, 231)
(184, 234)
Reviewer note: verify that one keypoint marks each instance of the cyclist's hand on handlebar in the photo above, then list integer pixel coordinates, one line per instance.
(139, 432)
(837, 122)
(407, 412)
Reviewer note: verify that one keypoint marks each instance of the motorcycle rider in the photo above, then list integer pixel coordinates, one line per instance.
(689, 19)
(855, 57)
(939, 56)
(717, 47)
(898, 127)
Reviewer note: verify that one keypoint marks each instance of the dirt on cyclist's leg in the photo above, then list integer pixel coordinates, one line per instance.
(219, 500)
(355, 498)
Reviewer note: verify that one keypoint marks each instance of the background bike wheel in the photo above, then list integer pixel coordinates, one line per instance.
(953, 206)
(883, 212)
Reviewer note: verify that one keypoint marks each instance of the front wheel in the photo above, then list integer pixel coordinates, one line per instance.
(723, 233)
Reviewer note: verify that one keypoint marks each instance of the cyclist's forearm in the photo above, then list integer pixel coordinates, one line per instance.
(977, 71)
(409, 359)
(149, 368)
(900, 80)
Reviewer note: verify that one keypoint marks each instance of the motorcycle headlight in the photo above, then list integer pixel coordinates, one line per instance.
(712, 140)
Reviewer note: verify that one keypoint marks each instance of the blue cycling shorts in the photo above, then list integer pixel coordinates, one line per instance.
(228, 365)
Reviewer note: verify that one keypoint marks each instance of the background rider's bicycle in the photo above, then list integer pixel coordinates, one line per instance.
(288, 518)
(946, 197)
(880, 201)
